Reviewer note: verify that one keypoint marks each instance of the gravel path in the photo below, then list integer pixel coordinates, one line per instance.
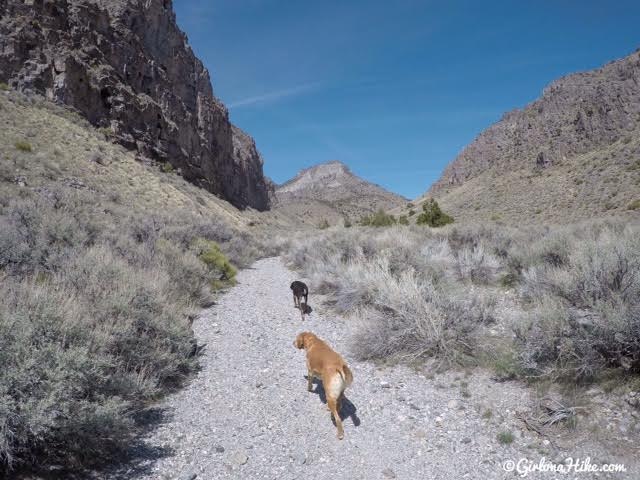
(248, 415)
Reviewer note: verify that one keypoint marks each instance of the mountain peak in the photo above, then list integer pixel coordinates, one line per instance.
(331, 191)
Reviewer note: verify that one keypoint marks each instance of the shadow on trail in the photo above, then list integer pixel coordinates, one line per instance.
(137, 459)
(347, 409)
(140, 456)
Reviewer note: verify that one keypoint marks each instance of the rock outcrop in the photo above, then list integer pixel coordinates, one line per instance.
(126, 66)
(577, 113)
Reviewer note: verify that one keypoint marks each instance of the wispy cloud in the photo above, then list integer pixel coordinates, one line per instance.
(274, 96)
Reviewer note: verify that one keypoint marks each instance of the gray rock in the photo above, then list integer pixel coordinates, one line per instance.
(239, 458)
(126, 66)
(388, 473)
(300, 458)
(334, 185)
(593, 111)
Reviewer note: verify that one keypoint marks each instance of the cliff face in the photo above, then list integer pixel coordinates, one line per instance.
(126, 66)
(576, 114)
(570, 155)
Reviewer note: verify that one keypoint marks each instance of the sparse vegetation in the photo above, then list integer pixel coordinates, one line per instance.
(378, 219)
(576, 306)
(4, 87)
(23, 146)
(324, 224)
(403, 220)
(100, 275)
(106, 131)
(586, 305)
(166, 167)
(505, 437)
(635, 205)
(94, 324)
(400, 288)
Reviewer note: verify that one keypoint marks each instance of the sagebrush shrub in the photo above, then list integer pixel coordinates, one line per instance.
(395, 292)
(586, 313)
(94, 319)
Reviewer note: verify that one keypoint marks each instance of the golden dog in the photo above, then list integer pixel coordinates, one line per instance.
(330, 367)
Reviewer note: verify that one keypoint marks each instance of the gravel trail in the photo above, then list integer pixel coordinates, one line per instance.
(248, 415)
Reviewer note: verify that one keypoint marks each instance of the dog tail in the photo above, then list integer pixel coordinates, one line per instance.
(346, 375)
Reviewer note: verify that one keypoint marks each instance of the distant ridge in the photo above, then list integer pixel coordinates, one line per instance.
(331, 191)
(571, 154)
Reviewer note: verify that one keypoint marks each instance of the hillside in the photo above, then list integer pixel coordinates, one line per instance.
(572, 154)
(330, 191)
(127, 68)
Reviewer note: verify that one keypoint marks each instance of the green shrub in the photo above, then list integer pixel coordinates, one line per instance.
(508, 280)
(411, 213)
(324, 224)
(106, 131)
(166, 167)
(218, 264)
(403, 220)
(505, 437)
(635, 205)
(23, 146)
(432, 215)
(4, 87)
(505, 364)
(378, 219)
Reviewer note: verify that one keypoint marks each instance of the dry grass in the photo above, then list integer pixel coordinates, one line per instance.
(416, 292)
(402, 288)
(103, 262)
(598, 183)
(585, 296)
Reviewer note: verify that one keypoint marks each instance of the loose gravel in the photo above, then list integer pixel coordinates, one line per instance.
(248, 415)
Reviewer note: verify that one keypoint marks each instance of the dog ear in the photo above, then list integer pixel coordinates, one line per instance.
(299, 343)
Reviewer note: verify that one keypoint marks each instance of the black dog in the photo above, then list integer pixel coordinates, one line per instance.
(299, 290)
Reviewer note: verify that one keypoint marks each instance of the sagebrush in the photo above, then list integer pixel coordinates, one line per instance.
(417, 292)
(95, 320)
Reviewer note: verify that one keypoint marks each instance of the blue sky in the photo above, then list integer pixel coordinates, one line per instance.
(393, 89)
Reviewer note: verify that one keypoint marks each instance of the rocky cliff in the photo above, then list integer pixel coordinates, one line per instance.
(126, 66)
(330, 191)
(571, 154)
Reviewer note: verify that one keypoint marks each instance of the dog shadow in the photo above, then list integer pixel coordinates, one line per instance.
(307, 308)
(347, 408)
